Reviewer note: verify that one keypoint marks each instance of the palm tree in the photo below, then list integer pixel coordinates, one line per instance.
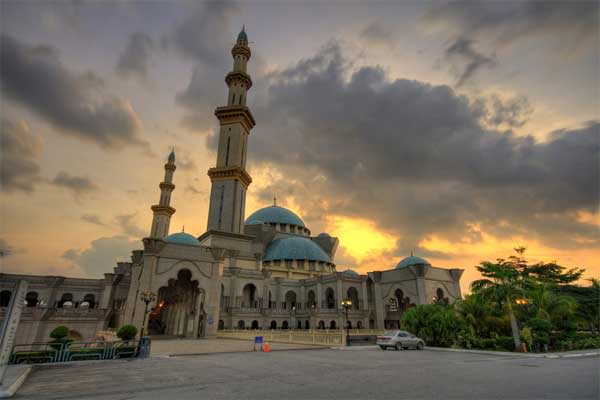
(476, 312)
(503, 284)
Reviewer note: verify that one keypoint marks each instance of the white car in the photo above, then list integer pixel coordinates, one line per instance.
(400, 340)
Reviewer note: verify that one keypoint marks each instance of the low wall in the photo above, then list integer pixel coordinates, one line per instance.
(318, 337)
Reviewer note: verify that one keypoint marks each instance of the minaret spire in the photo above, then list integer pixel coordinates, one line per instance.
(229, 178)
(163, 210)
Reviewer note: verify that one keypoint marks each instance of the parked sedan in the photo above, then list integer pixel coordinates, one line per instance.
(400, 340)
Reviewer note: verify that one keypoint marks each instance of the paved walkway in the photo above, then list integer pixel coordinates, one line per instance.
(321, 374)
(174, 347)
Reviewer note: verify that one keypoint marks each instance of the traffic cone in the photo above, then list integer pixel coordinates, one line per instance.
(266, 347)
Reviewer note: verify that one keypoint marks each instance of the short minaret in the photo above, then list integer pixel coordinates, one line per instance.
(229, 178)
(163, 210)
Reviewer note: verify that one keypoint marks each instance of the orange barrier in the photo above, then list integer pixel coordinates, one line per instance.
(266, 348)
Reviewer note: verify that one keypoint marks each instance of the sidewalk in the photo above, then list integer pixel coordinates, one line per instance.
(14, 378)
(564, 354)
(180, 347)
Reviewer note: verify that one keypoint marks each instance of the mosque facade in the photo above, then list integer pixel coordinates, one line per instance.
(264, 271)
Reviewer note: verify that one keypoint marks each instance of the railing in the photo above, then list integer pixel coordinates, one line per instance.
(335, 337)
(36, 353)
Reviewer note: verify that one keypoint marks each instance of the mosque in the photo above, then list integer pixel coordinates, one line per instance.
(266, 271)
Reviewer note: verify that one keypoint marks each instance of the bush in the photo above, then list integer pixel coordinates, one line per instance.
(506, 343)
(60, 337)
(127, 332)
(437, 325)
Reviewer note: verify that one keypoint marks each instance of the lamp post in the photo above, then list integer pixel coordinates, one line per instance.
(347, 304)
(147, 297)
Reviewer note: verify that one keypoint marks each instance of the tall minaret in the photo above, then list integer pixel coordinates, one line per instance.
(229, 178)
(163, 210)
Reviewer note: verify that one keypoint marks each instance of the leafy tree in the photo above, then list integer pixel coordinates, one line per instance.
(587, 300)
(476, 314)
(127, 332)
(438, 325)
(503, 284)
(60, 337)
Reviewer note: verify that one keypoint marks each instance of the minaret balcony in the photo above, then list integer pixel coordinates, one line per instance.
(241, 49)
(227, 173)
(239, 77)
(235, 114)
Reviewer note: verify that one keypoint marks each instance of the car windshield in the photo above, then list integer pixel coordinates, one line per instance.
(389, 333)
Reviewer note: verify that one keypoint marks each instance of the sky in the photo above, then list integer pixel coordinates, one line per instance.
(456, 131)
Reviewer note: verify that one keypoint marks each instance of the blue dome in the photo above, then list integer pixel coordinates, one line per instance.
(412, 260)
(295, 248)
(350, 272)
(242, 35)
(274, 215)
(182, 238)
(323, 234)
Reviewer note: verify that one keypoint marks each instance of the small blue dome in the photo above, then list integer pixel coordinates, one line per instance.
(242, 35)
(324, 234)
(295, 248)
(350, 272)
(182, 238)
(172, 156)
(412, 260)
(274, 215)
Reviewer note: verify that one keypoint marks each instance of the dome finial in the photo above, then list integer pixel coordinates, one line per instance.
(411, 253)
(183, 228)
(172, 155)
(274, 201)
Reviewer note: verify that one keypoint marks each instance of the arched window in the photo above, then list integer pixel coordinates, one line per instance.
(439, 293)
(241, 98)
(222, 299)
(221, 324)
(312, 301)
(255, 324)
(353, 296)
(321, 325)
(273, 324)
(248, 296)
(66, 297)
(330, 298)
(399, 295)
(299, 324)
(31, 299)
(284, 325)
(241, 324)
(307, 324)
(5, 298)
(332, 325)
(91, 299)
(271, 304)
(358, 324)
(233, 99)
(290, 300)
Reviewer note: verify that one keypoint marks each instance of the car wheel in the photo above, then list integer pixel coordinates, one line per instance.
(420, 346)
(398, 346)
(382, 347)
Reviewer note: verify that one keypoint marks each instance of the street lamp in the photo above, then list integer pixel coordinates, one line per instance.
(347, 304)
(147, 297)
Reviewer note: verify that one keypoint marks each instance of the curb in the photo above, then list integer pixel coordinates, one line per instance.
(236, 352)
(353, 348)
(521, 355)
(12, 389)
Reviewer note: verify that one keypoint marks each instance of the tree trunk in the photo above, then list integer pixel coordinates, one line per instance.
(514, 328)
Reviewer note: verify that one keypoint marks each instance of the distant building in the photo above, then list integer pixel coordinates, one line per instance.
(265, 271)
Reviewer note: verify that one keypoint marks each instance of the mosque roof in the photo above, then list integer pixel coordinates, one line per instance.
(323, 234)
(274, 215)
(182, 238)
(350, 272)
(295, 248)
(412, 260)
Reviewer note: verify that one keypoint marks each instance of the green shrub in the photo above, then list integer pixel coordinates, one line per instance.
(60, 337)
(506, 343)
(437, 325)
(127, 332)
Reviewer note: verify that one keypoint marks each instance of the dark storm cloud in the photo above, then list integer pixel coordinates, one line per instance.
(35, 77)
(19, 168)
(468, 60)
(77, 184)
(416, 159)
(92, 219)
(377, 33)
(128, 225)
(135, 59)
(512, 113)
(572, 25)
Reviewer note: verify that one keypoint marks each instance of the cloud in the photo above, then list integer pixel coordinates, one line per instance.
(92, 219)
(76, 104)
(416, 158)
(77, 184)
(469, 60)
(127, 224)
(497, 112)
(571, 25)
(102, 254)
(377, 33)
(20, 150)
(135, 59)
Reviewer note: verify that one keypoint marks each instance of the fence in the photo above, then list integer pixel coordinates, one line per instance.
(36, 353)
(330, 337)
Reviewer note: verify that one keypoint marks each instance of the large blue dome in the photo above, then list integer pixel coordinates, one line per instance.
(274, 215)
(182, 238)
(295, 248)
(412, 260)
(351, 272)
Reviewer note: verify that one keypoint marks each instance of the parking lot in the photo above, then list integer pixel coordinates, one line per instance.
(322, 374)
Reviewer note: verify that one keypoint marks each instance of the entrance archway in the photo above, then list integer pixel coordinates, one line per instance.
(176, 310)
(254, 324)
(273, 324)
